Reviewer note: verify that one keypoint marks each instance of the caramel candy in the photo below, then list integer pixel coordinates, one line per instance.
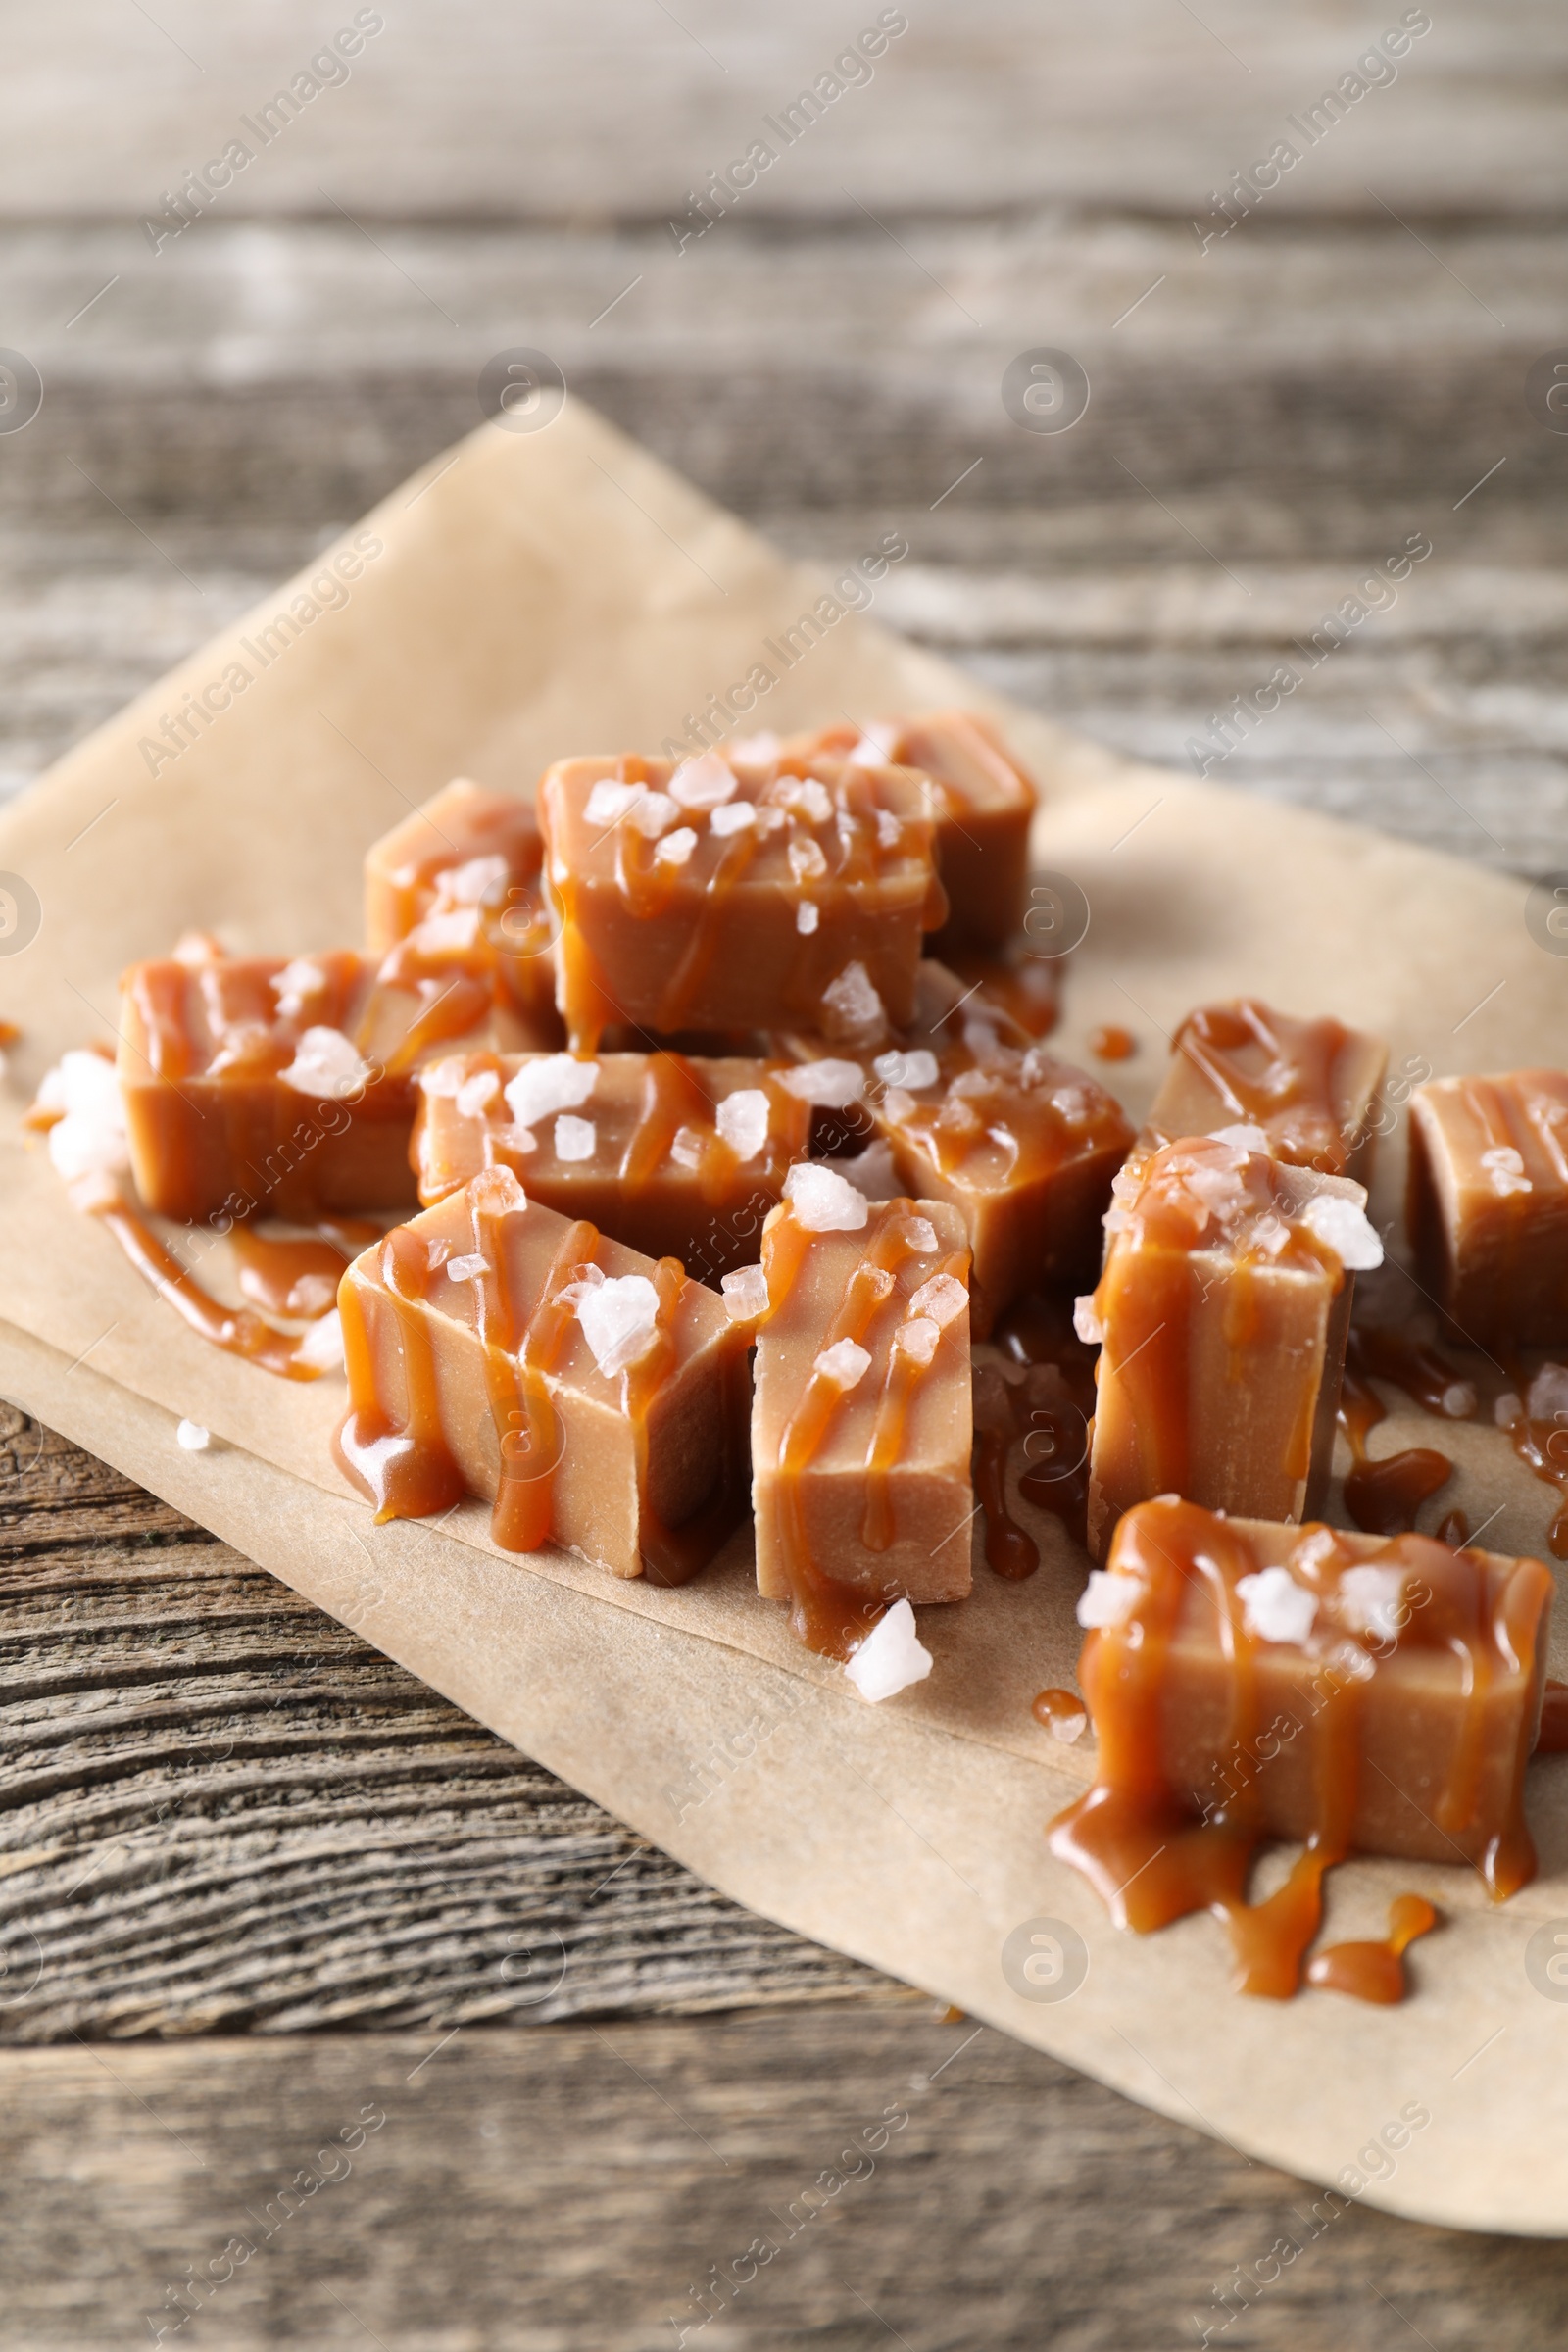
(861, 1424)
(256, 1082)
(464, 872)
(1251, 1680)
(703, 897)
(596, 1399)
(1310, 1086)
(678, 1159)
(1222, 1315)
(983, 803)
(1487, 1207)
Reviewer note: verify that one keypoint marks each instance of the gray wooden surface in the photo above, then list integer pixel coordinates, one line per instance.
(250, 1874)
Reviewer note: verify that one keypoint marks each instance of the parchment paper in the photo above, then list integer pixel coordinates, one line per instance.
(537, 594)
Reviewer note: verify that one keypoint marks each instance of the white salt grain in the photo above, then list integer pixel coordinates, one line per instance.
(851, 1006)
(1086, 1322)
(806, 917)
(742, 1121)
(830, 1085)
(609, 801)
(619, 1315)
(575, 1138)
(191, 1436)
(475, 1092)
(676, 847)
(845, 1364)
(1343, 1227)
(327, 1064)
(735, 816)
(706, 782)
(652, 813)
(1275, 1607)
(553, 1082)
(913, 1069)
(745, 1293)
(470, 1268)
(891, 1658)
(917, 1338)
(322, 1344)
(1107, 1599)
(822, 1202)
(943, 1298)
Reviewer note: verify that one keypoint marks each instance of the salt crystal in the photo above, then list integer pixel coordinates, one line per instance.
(619, 1315)
(652, 813)
(676, 847)
(448, 931)
(1507, 1409)
(897, 1104)
(830, 1085)
(822, 1202)
(735, 816)
(742, 1121)
(475, 881)
(917, 1338)
(876, 746)
(1369, 1600)
(706, 782)
(1507, 1171)
(294, 983)
(609, 801)
(873, 1172)
(470, 1268)
(1107, 1599)
(448, 1076)
(1343, 1226)
(1458, 1401)
(475, 1092)
(919, 1235)
(891, 1658)
(497, 1192)
(1243, 1139)
(745, 1293)
(1086, 1321)
(912, 1070)
(806, 917)
(575, 1138)
(88, 1137)
(759, 750)
(1275, 1607)
(436, 1255)
(1547, 1394)
(553, 1082)
(322, 1344)
(808, 859)
(192, 1437)
(805, 797)
(851, 1006)
(687, 1147)
(889, 829)
(943, 1298)
(845, 1364)
(327, 1064)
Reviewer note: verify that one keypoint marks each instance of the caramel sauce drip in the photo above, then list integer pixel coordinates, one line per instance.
(1375, 1972)
(672, 1555)
(1143, 1843)
(517, 1365)
(235, 1330)
(1062, 1713)
(1552, 1739)
(828, 1615)
(673, 1098)
(1293, 1093)
(1384, 1496)
(1112, 1044)
(987, 1104)
(1543, 1446)
(296, 1277)
(407, 1468)
(902, 1378)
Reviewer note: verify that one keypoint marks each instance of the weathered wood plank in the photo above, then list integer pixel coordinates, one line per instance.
(222, 1811)
(572, 2188)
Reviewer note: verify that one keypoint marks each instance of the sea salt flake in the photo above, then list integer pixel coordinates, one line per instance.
(891, 1658)
(575, 1138)
(469, 1268)
(706, 782)
(830, 1085)
(942, 1297)
(889, 829)
(1547, 1394)
(822, 1202)
(475, 1092)
(1086, 1321)
(676, 847)
(436, 1255)
(1242, 1139)
(1107, 1599)
(497, 1192)
(448, 930)
(652, 813)
(327, 1064)
(745, 1293)
(296, 982)
(808, 859)
(758, 750)
(917, 1338)
(1343, 1226)
(448, 1076)
(876, 746)
(192, 1437)
(806, 917)
(1369, 1600)
(475, 882)
(1275, 1607)
(916, 1068)
(898, 1104)
(619, 1315)
(735, 816)
(851, 1006)
(609, 801)
(687, 1147)
(845, 1363)
(742, 1121)
(553, 1082)
(322, 1348)
(805, 797)
(1507, 1171)
(88, 1135)
(919, 1235)
(1507, 1409)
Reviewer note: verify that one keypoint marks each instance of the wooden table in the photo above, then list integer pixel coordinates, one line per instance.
(258, 1887)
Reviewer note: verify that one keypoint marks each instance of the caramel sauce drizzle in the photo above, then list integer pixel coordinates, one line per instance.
(828, 1615)
(1543, 1446)
(1375, 1972)
(1293, 1094)
(1383, 1497)
(235, 1330)
(294, 1277)
(1062, 1713)
(903, 1376)
(1142, 1843)
(1112, 1043)
(1006, 1114)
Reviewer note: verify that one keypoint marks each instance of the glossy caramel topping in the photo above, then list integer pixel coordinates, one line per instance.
(298, 1276)
(235, 1330)
(1062, 1713)
(1139, 1839)
(1375, 1972)
(1112, 1044)
(997, 1118)
(1277, 1073)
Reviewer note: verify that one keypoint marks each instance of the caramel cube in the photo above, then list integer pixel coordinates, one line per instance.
(598, 1400)
(1221, 1314)
(288, 1086)
(722, 898)
(676, 1157)
(1312, 1087)
(983, 803)
(860, 1423)
(1487, 1207)
(1371, 1695)
(464, 872)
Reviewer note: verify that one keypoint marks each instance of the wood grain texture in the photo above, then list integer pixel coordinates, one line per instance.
(221, 1811)
(573, 2186)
